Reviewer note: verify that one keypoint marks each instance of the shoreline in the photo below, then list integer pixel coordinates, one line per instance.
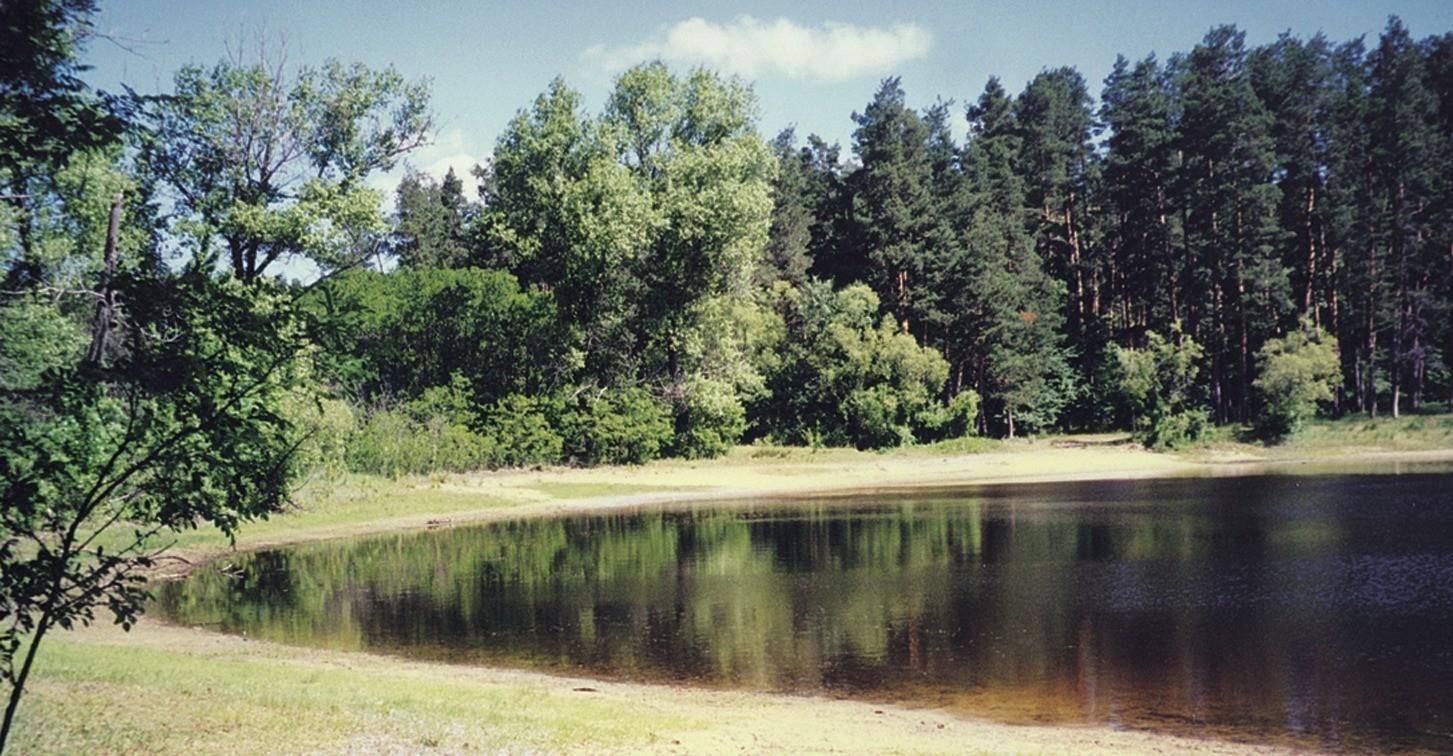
(719, 719)
(678, 485)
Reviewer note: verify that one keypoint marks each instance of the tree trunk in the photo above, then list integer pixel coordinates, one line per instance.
(903, 298)
(1370, 345)
(106, 306)
(1309, 302)
(13, 705)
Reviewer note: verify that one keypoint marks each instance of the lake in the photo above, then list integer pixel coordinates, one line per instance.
(1301, 609)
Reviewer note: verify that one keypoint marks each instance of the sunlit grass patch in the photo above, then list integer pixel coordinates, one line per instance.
(92, 698)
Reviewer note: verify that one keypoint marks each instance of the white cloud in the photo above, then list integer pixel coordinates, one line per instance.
(754, 48)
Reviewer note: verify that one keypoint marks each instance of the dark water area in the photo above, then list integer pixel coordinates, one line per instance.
(1313, 610)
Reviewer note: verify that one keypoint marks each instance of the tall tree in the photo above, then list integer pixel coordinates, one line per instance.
(1353, 297)
(1013, 307)
(895, 206)
(1297, 83)
(837, 249)
(1055, 120)
(1228, 206)
(264, 164)
(430, 222)
(562, 212)
(1439, 57)
(646, 222)
(787, 256)
(1405, 174)
(1147, 260)
(47, 116)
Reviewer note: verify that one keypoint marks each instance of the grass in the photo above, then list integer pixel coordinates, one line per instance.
(1406, 433)
(1348, 435)
(100, 698)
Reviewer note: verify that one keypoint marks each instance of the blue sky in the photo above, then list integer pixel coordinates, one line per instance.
(813, 63)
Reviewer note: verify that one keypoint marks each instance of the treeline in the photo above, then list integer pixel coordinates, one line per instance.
(606, 300)
(1238, 192)
(1232, 236)
(1232, 203)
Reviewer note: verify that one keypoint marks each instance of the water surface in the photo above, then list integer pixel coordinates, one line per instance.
(1316, 610)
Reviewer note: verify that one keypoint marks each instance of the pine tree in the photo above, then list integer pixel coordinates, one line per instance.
(429, 222)
(894, 205)
(1438, 53)
(786, 257)
(1012, 307)
(1405, 176)
(1236, 288)
(1142, 230)
(1055, 119)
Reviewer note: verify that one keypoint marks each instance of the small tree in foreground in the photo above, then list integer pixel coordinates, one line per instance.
(173, 420)
(1297, 372)
(1157, 382)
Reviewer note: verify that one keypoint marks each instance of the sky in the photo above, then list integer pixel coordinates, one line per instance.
(813, 63)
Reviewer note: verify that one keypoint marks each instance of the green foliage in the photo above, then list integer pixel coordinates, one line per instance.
(326, 427)
(430, 222)
(36, 340)
(268, 164)
(1158, 383)
(1297, 373)
(185, 426)
(636, 220)
(710, 420)
(522, 431)
(617, 426)
(395, 335)
(958, 419)
(408, 442)
(841, 376)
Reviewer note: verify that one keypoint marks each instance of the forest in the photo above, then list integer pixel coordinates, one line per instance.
(1234, 235)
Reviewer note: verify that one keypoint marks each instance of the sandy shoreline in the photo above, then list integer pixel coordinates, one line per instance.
(722, 720)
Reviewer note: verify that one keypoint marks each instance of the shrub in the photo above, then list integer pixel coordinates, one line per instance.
(397, 442)
(326, 426)
(1297, 372)
(957, 419)
(710, 420)
(1157, 383)
(619, 426)
(873, 418)
(836, 377)
(521, 431)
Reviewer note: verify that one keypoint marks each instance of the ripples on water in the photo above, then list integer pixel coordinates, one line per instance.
(1315, 610)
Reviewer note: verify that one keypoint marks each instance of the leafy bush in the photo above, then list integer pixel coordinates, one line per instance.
(837, 377)
(327, 426)
(1157, 383)
(710, 420)
(1297, 372)
(957, 419)
(873, 418)
(521, 431)
(397, 442)
(619, 426)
